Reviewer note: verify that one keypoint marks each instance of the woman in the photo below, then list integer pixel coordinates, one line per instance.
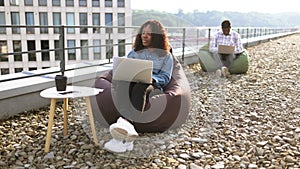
(151, 43)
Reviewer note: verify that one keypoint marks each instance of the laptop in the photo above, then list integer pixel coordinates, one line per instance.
(226, 49)
(132, 70)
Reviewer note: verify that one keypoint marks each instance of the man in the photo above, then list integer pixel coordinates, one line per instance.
(225, 37)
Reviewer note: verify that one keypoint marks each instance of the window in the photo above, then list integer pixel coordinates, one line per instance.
(69, 2)
(121, 47)
(14, 2)
(3, 49)
(109, 49)
(56, 21)
(2, 22)
(15, 20)
(4, 71)
(97, 49)
(42, 2)
(55, 2)
(108, 3)
(1, 2)
(43, 22)
(96, 22)
(45, 45)
(121, 3)
(17, 70)
(70, 22)
(17, 48)
(82, 2)
(108, 22)
(71, 52)
(28, 2)
(56, 46)
(95, 3)
(121, 22)
(83, 22)
(84, 50)
(31, 47)
(32, 68)
(29, 22)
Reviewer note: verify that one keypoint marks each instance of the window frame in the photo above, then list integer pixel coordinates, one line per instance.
(29, 19)
(43, 19)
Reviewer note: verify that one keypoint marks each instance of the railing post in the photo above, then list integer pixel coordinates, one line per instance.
(183, 44)
(209, 31)
(260, 32)
(247, 33)
(109, 47)
(197, 38)
(265, 31)
(62, 48)
(247, 37)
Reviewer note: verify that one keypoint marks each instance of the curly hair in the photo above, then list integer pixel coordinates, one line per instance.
(159, 38)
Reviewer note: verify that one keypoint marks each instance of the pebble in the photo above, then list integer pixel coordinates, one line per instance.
(195, 166)
(252, 166)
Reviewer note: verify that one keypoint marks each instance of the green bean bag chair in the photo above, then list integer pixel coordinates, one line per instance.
(240, 64)
(207, 62)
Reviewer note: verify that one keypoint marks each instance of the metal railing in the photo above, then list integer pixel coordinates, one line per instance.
(180, 38)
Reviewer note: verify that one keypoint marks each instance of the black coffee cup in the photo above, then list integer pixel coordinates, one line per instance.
(61, 83)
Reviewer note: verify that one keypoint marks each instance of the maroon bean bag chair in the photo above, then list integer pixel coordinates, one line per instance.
(163, 111)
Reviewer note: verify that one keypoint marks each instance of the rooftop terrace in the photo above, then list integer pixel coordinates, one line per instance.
(26, 85)
(244, 121)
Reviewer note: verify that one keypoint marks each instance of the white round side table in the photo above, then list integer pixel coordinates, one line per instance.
(71, 92)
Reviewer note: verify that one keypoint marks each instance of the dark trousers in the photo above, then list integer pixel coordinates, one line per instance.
(139, 94)
(130, 97)
(223, 59)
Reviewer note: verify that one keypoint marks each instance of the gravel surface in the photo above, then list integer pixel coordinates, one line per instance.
(243, 121)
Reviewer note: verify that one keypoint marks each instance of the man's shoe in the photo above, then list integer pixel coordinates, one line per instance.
(218, 73)
(123, 130)
(225, 71)
(118, 146)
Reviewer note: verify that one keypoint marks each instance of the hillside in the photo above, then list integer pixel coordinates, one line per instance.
(213, 18)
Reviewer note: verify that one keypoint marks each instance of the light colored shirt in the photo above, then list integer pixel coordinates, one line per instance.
(162, 66)
(232, 39)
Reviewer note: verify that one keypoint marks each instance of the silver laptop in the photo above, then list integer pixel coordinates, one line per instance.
(132, 70)
(226, 49)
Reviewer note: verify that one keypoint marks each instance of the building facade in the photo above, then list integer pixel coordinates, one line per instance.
(84, 36)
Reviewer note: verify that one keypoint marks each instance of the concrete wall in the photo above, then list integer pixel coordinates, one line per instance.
(22, 95)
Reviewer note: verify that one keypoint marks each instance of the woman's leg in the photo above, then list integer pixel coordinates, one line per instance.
(139, 93)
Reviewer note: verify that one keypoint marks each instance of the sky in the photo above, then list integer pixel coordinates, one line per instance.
(261, 6)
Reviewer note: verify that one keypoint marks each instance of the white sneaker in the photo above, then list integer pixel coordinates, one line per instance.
(123, 130)
(225, 71)
(117, 146)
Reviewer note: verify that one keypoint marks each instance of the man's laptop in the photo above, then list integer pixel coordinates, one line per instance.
(132, 70)
(226, 49)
